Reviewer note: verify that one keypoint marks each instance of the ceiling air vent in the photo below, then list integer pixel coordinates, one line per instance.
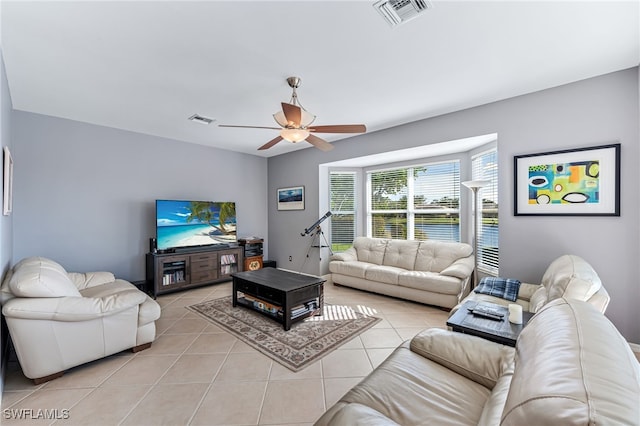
(397, 12)
(196, 118)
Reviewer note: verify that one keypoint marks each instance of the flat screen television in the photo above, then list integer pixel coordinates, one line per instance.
(181, 224)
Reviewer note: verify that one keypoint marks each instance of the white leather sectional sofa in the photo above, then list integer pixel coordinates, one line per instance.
(570, 367)
(58, 320)
(431, 272)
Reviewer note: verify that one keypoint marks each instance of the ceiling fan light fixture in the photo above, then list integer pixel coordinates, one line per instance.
(294, 135)
(295, 122)
(306, 119)
(280, 118)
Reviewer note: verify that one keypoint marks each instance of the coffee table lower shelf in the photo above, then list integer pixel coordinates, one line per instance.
(499, 331)
(283, 296)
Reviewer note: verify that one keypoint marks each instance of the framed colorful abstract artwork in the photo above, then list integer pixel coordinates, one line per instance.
(573, 182)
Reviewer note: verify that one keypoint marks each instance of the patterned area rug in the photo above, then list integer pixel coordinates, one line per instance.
(306, 342)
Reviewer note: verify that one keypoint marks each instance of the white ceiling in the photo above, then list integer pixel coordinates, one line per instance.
(147, 66)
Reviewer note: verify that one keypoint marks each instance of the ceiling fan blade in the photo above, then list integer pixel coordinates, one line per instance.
(340, 128)
(319, 143)
(250, 127)
(293, 113)
(271, 143)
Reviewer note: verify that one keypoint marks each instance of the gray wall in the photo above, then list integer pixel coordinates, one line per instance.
(6, 231)
(85, 195)
(596, 111)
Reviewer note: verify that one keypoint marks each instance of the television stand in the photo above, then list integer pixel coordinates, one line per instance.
(169, 272)
(200, 249)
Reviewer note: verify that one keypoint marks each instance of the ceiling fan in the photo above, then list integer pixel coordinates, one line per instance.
(296, 123)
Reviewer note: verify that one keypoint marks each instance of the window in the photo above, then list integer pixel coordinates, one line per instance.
(415, 203)
(342, 202)
(484, 166)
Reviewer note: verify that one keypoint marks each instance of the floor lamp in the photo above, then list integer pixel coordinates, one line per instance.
(474, 186)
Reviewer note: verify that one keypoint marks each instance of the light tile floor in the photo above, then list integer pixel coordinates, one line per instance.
(198, 374)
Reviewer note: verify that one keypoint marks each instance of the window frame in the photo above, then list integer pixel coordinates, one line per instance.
(410, 210)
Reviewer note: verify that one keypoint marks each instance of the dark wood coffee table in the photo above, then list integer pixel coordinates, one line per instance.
(286, 297)
(499, 331)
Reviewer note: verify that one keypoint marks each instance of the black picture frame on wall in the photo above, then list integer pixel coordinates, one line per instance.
(7, 188)
(572, 182)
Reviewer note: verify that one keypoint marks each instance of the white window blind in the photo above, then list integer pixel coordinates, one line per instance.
(484, 166)
(436, 202)
(418, 202)
(387, 201)
(342, 190)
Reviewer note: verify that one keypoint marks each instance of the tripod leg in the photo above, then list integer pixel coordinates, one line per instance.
(327, 245)
(311, 245)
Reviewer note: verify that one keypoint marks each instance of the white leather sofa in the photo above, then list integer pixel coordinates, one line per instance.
(568, 276)
(58, 320)
(570, 367)
(431, 272)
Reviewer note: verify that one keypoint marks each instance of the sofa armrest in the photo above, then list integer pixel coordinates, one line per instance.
(461, 268)
(346, 256)
(72, 308)
(526, 290)
(472, 357)
(90, 279)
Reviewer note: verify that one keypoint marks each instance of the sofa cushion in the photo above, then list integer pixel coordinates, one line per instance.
(571, 277)
(572, 367)
(401, 254)
(370, 250)
(383, 274)
(411, 389)
(430, 281)
(41, 277)
(494, 406)
(435, 256)
(352, 269)
(360, 415)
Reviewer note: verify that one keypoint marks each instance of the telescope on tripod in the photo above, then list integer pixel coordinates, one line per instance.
(315, 231)
(310, 229)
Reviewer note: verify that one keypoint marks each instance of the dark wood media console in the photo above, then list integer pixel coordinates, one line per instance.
(168, 272)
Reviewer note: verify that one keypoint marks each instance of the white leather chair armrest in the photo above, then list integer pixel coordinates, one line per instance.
(346, 256)
(526, 291)
(90, 279)
(72, 308)
(461, 268)
(472, 357)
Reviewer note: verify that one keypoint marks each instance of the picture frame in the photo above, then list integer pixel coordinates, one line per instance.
(572, 182)
(7, 182)
(291, 198)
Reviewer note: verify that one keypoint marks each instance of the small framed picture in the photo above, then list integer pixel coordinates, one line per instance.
(7, 188)
(573, 182)
(291, 198)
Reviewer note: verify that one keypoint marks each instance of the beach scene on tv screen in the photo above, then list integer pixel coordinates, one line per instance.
(194, 223)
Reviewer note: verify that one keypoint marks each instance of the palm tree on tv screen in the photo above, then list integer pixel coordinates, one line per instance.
(202, 210)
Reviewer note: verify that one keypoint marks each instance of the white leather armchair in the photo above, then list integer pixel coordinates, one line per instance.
(568, 276)
(58, 320)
